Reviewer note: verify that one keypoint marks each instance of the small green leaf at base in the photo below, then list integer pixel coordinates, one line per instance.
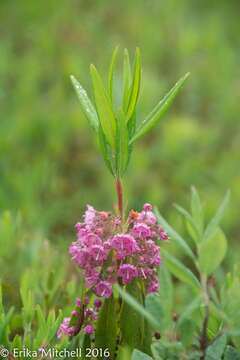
(216, 349)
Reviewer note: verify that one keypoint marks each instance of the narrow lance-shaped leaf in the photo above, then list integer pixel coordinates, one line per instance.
(180, 271)
(189, 309)
(212, 251)
(159, 110)
(131, 321)
(106, 328)
(138, 307)
(1, 301)
(212, 226)
(110, 73)
(104, 109)
(104, 148)
(187, 216)
(121, 145)
(197, 210)
(126, 79)
(86, 104)
(135, 87)
(175, 237)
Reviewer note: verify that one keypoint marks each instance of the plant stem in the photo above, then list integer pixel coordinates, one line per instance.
(119, 189)
(203, 336)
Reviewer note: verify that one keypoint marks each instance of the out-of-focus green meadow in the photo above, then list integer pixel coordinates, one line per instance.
(49, 164)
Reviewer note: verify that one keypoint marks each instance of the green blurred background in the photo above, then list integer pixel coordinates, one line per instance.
(49, 163)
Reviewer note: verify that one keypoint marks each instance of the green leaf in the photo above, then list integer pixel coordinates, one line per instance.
(86, 104)
(187, 330)
(137, 306)
(231, 353)
(189, 309)
(212, 251)
(216, 349)
(160, 109)
(104, 109)
(131, 320)
(180, 271)
(106, 329)
(175, 237)
(105, 150)
(121, 145)
(166, 296)
(138, 355)
(126, 79)
(167, 350)
(1, 300)
(4, 325)
(214, 223)
(135, 87)
(155, 308)
(110, 73)
(197, 210)
(189, 219)
(123, 353)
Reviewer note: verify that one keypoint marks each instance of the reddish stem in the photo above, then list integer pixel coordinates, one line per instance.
(119, 190)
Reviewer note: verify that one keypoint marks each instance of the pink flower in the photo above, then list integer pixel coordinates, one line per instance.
(163, 234)
(91, 277)
(90, 216)
(127, 272)
(78, 302)
(90, 314)
(89, 329)
(97, 303)
(98, 254)
(153, 286)
(103, 288)
(65, 328)
(125, 245)
(147, 207)
(142, 230)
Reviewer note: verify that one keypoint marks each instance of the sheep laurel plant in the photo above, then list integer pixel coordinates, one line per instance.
(118, 253)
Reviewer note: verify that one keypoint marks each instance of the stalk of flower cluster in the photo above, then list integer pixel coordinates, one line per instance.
(119, 190)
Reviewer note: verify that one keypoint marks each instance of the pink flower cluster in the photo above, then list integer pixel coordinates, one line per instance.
(110, 252)
(82, 317)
